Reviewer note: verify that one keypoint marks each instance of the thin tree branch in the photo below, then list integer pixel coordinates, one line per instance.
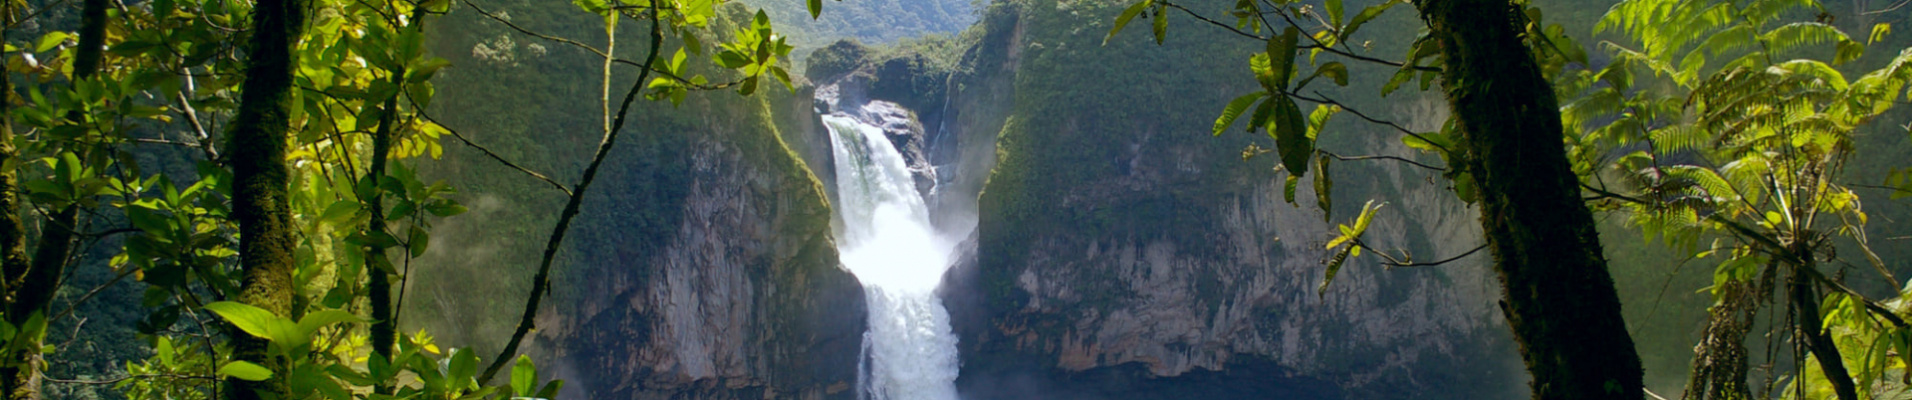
(542, 281)
(1191, 13)
(1330, 49)
(1394, 263)
(128, 270)
(1382, 157)
(1603, 194)
(1323, 99)
(488, 153)
(1895, 190)
(123, 379)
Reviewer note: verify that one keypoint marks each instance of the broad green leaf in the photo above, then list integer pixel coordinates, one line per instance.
(1464, 188)
(340, 212)
(51, 40)
(1334, 11)
(323, 318)
(1260, 118)
(1291, 136)
(164, 349)
(524, 376)
(420, 241)
(257, 321)
(1234, 110)
(246, 371)
(1281, 59)
(463, 364)
(816, 10)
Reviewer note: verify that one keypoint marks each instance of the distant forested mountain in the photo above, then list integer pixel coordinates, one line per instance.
(870, 21)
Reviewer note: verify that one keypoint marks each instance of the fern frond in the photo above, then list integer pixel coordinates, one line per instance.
(1816, 73)
(1761, 12)
(1679, 137)
(1727, 41)
(1791, 37)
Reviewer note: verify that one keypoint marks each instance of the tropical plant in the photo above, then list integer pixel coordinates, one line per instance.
(1726, 120)
(1490, 56)
(266, 260)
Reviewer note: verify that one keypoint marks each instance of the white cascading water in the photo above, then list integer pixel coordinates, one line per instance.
(887, 241)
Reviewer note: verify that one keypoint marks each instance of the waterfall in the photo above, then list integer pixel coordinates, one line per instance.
(909, 352)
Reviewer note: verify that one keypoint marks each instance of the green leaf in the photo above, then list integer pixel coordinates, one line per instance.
(732, 59)
(1334, 267)
(1464, 188)
(592, 6)
(1281, 60)
(1367, 14)
(245, 371)
(1234, 110)
(419, 241)
(524, 376)
(1334, 11)
(1291, 136)
(1335, 70)
(816, 10)
(463, 364)
(51, 40)
(1123, 20)
(1323, 185)
(551, 389)
(164, 349)
(323, 318)
(340, 212)
(1879, 32)
(1161, 23)
(1288, 188)
(257, 321)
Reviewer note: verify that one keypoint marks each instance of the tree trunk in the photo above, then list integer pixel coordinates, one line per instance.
(33, 288)
(1812, 331)
(257, 153)
(378, 268)
(1559, 299)
(13, 235)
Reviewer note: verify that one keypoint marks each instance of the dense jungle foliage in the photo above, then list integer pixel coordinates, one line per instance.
(1749, 150)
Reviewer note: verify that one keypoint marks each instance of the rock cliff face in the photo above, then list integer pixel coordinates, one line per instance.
(741, 297)
(702, 264)
(1123, 253)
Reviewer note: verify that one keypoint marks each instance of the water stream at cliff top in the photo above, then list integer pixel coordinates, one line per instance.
(887, 240)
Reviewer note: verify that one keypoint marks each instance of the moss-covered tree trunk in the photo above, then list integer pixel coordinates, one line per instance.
(257, 151)
(1812, 328)
(32, 287)
(1559, 298)
(13, 235)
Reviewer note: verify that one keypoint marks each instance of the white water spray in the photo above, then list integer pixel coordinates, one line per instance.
(887, 241)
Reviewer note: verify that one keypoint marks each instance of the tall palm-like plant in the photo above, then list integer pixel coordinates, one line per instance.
(1719, 119)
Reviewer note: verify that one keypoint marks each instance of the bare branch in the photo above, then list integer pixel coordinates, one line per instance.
(1382, 157)
(1324, 99)
(1230, 28)
(1393, 263)
(487, 151)
(542, 281)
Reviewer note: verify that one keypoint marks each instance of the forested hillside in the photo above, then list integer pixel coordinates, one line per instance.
(955, 199)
